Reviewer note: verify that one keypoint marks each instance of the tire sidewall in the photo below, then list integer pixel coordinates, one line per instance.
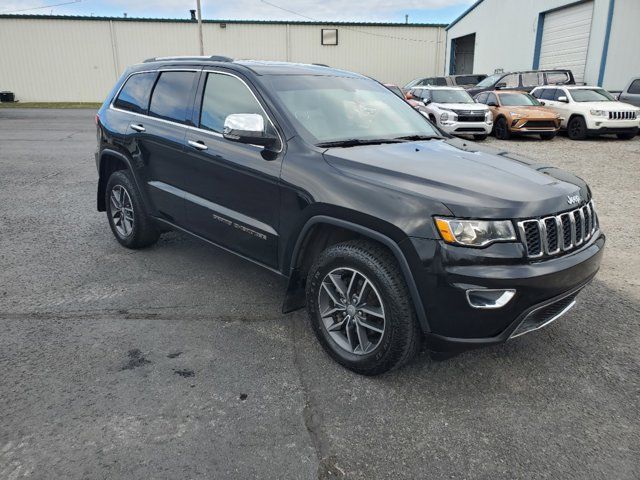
(583, 127)
(501, 126)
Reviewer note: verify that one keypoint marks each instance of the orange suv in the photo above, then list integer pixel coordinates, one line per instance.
(519, 113)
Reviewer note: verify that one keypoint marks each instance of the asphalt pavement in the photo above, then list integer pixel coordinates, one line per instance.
(176, 361)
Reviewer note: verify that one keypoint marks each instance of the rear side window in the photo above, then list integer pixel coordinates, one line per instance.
(134, 96)
(532, 79)
(468, 79)
(441, 81)
(223, 96)
(554, 78)
(171, 98)
(635, 86)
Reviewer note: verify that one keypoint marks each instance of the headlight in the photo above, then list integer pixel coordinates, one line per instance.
(515, 115)
(448, 117)
(597, 113)
(444, 117)
(488, 116)
(474, 233)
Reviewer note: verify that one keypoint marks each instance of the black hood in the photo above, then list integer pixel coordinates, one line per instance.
(471, 181)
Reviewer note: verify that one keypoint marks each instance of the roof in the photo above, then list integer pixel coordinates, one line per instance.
(464, 14)
(437, 87)
(188, 20)
(258, 67)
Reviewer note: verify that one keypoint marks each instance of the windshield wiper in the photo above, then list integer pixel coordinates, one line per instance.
(413, 138)
(354, 142)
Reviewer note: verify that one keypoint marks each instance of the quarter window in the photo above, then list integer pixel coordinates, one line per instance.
(223, 96)
(171, 98)
(634, 88)
(134, 96)
(554, 78)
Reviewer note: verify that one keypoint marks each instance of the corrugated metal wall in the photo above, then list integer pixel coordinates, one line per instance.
(59, 60)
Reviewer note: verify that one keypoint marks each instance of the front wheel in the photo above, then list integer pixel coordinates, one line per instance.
(360, 309)
(501, 130)
(577, 128)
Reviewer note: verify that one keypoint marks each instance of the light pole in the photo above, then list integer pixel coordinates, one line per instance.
(200, 27)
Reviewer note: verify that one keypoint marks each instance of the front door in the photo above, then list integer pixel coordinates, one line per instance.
(233, 194)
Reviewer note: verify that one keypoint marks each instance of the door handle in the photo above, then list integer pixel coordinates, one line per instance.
(138, 127)
(199, 145)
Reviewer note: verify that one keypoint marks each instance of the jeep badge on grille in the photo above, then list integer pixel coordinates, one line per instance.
(571, 199)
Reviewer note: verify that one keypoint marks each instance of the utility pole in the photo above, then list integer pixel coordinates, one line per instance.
(200, 27)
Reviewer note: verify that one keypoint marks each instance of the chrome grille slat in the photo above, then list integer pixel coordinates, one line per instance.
(554, 234)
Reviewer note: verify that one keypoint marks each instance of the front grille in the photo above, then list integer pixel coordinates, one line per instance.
(540, 124)
(540, 317)
(623, 115)
(469, 115)
(558, 233)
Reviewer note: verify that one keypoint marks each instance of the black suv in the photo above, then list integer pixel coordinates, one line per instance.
(389, 232)
(524, 81)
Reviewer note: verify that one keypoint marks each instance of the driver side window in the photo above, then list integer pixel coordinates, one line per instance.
(223, 96)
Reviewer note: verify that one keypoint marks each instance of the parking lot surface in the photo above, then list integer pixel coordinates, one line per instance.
(176, 362)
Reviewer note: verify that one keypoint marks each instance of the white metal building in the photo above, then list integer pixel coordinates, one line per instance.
(56, 59)
(596, 39)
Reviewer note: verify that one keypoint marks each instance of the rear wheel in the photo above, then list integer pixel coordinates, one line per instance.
(360, 309)
(577, 128)
(128, 219)
(501, 130)
(627, 135)
(481, 136)
(548, 136)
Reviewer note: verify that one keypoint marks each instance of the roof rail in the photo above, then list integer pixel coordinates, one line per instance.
(214, 58)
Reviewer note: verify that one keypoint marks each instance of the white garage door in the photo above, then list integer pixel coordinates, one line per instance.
(565, 39)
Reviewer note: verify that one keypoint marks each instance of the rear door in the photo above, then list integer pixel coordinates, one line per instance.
(233, 193)
(156, 140)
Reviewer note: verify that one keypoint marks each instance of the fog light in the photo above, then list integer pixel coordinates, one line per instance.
(489, 298)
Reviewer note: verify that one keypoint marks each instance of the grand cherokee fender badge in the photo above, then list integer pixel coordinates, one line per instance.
(572, 199)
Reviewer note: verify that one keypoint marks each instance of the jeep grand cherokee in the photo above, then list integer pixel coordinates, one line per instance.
(389, 232)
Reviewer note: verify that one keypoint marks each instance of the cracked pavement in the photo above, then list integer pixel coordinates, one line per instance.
(175, 361)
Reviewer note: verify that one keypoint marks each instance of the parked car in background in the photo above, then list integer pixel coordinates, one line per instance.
(395, 89)
(454, 111)
(517, 112)
(631, 94)
(589, 111)
(524, 81)
(464, 81)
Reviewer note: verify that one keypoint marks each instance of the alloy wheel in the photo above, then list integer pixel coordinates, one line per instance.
(122, 211)
(351, 310)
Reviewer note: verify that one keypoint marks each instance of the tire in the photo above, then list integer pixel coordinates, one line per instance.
(501, 130)
(398, 336)
(627, 135)
(123, 198)
(548, 136)
(480, 137)
(577, 128)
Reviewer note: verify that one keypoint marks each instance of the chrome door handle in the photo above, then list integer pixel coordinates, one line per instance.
(199, 145)
(138, 127)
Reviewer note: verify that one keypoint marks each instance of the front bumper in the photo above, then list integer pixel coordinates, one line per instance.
(466, 128)
(528, 126)
(597, 125)
(540, 286)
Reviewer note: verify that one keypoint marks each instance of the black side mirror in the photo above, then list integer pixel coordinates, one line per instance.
(501, 85)
(492, 104)
(248, 128)
(541, 102)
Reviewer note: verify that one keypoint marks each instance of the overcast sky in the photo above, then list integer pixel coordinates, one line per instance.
(425, 11)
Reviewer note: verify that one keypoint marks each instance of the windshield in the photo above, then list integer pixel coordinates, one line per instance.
(517, 100)
(332, 109)
(591, 95)
(490, 80)
(450, 96)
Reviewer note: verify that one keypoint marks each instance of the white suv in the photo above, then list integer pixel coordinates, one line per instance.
(589, 111)
(454, 111)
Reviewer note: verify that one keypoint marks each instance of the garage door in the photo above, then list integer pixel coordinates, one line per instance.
(565, 39)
